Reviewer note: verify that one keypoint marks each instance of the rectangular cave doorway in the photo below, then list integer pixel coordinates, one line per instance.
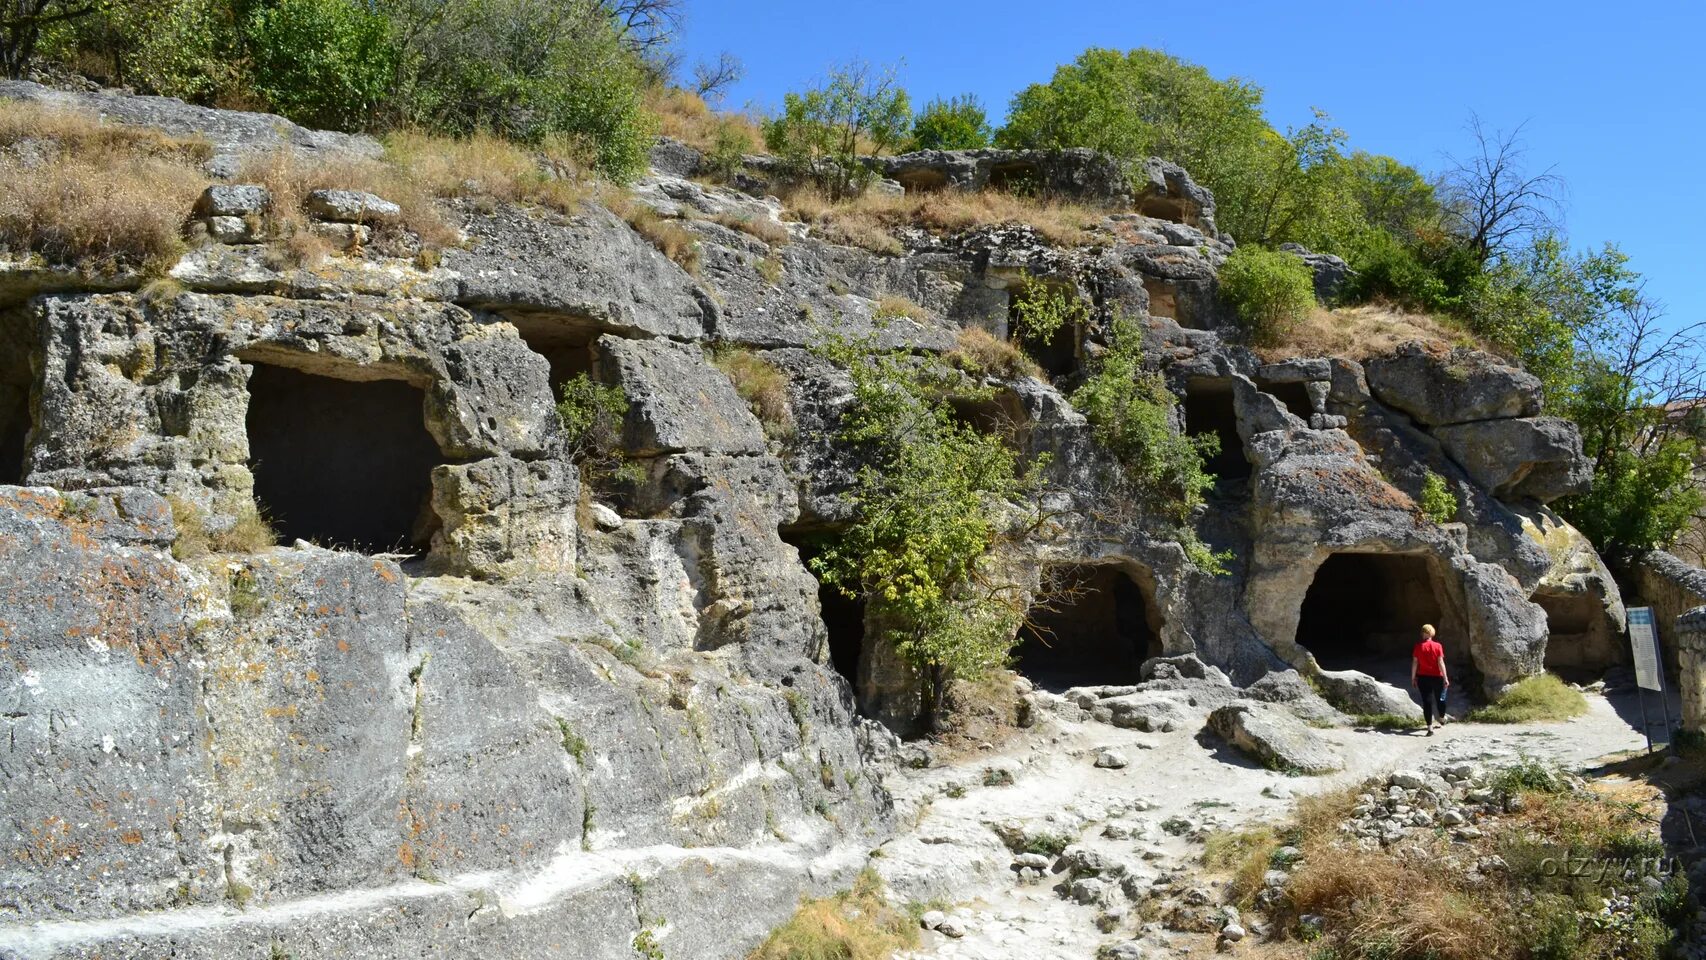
(17, 344)
(1211, 408)
(843, 616)
(1294, 395)
(1581, 640)
(567, 347)
(1098, 628)
(1058, 353)
(341, 463)
(1364, 611)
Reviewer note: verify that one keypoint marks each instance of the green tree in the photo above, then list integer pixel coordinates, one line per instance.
(958, 123)
(323, 63)
(937, 507)
(822, 132)
(190, 49)
(528, 69)
(1160, 470)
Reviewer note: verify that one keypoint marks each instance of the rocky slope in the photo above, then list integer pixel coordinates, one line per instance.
(509, 720)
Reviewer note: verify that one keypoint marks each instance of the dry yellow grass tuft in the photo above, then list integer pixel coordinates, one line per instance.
(869, 221)
(685, 116)
(77, 189)
(668, 236)
(981, 353)
(856, 925)
(290, 179)
(1361, 332)
(769, 231)
(761, 385)
(490, 168)
(250, 532)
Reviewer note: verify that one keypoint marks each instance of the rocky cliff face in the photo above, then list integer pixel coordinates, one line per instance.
(503, 718)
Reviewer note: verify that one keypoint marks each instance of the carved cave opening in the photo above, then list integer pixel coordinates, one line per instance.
(1364, 611)
(1581, 641)
(1020, 178)
(843, 616)
(566, 347)
(1210, 408)
(341, 463)
(1058, 354)
(1099, 629)
(922, 180)
(17, 345)
(1295, 396)
(1000, 414)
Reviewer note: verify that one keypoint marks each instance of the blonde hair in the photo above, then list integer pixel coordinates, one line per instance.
(1427, 629)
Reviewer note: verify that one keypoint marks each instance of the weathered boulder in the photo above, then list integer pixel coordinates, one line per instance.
(1538, 458)
(1077, 174)
(1274, 738)
(1358, 693)
(1329, 271)
(1507, 633)
(1585, 616)
(350, 206)
(503, 516)
(1438, 385)
(1167, 192)
(677, 400)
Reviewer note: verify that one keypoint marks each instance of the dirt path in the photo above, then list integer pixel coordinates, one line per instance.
(1175, 784)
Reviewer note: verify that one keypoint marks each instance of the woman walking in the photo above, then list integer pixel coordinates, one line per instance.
(1427, 675)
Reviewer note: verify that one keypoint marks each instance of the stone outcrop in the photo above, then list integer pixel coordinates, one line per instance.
(1077, 174)
(1439, 386)
(1329, 272)
(1671, 587)
(1274, 739)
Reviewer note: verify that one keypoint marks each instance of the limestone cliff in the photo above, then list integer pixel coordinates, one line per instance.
(506, 719)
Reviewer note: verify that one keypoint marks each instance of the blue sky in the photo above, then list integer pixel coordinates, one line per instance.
(1612, 94)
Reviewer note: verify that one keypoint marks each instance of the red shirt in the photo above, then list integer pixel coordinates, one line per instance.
(1430, 658)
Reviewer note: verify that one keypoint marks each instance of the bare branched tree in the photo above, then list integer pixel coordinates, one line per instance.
(645, 25)
(712, 79)
(1494, 202)
(21, 23)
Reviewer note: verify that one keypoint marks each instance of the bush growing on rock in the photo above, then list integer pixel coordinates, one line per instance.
(1438, 503)
(761, 385)
(1161, 471)
(1271, 290)
(592, 415)
(322, 63)
(935, 514)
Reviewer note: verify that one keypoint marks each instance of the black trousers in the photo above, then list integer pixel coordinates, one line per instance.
(1430, 688)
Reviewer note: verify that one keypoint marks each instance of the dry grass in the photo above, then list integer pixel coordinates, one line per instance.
(683, 115)
(981, 353)
(103, 196)
(249, 533)
(856, 925)
(891, 307)
(1246, 854)
(291, 179)
(1380, 903)
(1541, 698)
(492, 169)
(767, 230)
(667, 235)
(762, 386)
(1361, 332)
(869, 221)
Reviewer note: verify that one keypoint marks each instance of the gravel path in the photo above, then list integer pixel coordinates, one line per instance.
(954, 855)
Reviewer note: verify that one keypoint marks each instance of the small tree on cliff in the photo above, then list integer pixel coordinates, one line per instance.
(822, 132)
(937, 512)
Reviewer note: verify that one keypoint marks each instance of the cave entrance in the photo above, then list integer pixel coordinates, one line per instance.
(1100, 628)
(17, 345)
(924, 180)
(1000, 414)
(1058, 354)
(567, 347)
(843, 616)
(1163, 298)
(341, 463)
(1364, 611)
(1294, 395)
(1016, 177)
(1581, 640)
(1210, 408)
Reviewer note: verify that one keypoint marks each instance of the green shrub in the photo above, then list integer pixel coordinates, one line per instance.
(958, 123)
(930, 523)
(1529, 775)
(322, 63)
(191, 49)
(1161, 471)
(1041, 310)
(1543, 697)
(1271, 290)
(1438, 503)
(592, 415)
(1388, 721)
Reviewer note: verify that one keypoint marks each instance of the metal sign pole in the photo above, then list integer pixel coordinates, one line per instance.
(1649, 668)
